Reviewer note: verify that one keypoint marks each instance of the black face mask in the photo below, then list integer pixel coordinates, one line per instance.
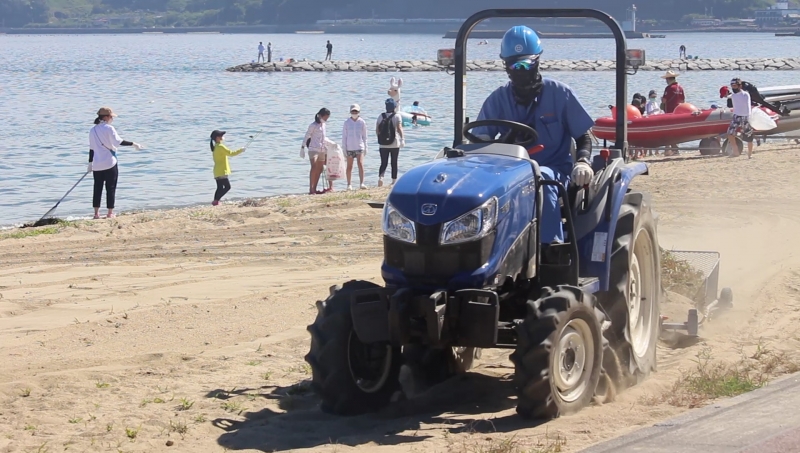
(526, 85)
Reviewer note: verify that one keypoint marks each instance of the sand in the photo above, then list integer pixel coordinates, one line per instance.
(186, 327)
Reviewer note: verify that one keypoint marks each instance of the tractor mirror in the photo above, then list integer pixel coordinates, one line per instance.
(445, 57)
(634, 58)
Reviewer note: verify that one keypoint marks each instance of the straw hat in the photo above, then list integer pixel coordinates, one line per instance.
(670, 75)
(106, 111)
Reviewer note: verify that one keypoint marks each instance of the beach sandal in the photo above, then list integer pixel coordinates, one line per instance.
(111, 216)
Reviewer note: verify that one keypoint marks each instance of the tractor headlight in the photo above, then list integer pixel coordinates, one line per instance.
(471, 226)
(397, 226)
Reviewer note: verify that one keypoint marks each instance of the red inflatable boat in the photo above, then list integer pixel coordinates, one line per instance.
(670, 128)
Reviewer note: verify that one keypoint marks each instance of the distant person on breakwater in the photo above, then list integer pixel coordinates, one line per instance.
(103, 142)
(682, 52)
(673, 94)
(260, 52)
(222, 168)
(354, 144)
(269, 52)
(316, 140)
(329, 46)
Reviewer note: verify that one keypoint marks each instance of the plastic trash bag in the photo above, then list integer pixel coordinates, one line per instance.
(760, 120)
(335, 162)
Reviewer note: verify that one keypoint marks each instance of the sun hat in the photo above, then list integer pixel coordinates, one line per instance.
(670, 75)
(106, 111)
(216, 134)
(355, 107)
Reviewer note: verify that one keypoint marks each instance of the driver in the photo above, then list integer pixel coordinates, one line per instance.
(549, 107)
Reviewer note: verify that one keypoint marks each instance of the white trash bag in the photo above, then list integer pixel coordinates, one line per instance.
(760, 120)
(335, 162)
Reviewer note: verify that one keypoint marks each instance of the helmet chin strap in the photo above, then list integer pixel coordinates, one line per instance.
(526, 86)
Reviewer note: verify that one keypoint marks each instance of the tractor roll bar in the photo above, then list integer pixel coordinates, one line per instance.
(621, 60)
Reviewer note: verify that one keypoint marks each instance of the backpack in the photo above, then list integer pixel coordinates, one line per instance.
(386, 130)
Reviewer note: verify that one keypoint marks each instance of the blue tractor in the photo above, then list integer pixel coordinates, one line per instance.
(464, 270)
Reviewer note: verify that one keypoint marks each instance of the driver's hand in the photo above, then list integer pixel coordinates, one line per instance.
(582, 173)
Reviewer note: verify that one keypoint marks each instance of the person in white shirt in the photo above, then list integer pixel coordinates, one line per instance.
(103, 143)
(354, 144)
(260, 52)
(741, 115)
(316, 139)
(653, 106)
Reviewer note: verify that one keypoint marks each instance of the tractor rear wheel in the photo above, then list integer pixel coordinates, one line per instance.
(633, 297)
(559, 353)
(351, 377)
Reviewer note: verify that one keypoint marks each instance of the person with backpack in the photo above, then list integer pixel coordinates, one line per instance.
(389, 128)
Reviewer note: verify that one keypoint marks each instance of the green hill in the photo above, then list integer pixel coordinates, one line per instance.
(122, 13)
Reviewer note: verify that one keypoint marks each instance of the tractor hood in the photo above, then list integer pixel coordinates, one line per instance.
(445, 189)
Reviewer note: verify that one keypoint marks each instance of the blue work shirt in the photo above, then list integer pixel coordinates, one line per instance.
(558, 118)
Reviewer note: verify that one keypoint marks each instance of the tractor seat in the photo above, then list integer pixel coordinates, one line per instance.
(500, 149)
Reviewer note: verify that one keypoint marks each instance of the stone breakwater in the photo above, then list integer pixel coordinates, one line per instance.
(723, 64)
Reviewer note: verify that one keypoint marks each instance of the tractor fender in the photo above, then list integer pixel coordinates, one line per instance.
(620, 195)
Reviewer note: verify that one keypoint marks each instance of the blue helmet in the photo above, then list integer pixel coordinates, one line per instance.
(520, 41)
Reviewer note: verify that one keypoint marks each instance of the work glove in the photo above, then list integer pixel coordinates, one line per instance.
(582, 173)
(302, 152)
(137, 146)
(89, 168)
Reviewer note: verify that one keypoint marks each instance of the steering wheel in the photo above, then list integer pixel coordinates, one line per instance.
(519, 134)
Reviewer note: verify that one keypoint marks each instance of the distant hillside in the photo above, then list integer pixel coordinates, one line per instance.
(121, 13)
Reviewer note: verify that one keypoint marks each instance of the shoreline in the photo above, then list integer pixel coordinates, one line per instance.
(238, 202)
(721, 64)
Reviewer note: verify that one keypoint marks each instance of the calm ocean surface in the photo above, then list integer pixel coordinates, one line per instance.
(171, 91)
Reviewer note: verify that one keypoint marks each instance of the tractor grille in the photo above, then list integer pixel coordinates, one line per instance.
(427, 259)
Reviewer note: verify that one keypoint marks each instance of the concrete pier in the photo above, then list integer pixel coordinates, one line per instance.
(723, 64)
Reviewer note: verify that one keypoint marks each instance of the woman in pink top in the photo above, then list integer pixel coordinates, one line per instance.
(316, 139)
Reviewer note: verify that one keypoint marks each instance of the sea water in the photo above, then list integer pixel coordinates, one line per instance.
(172, 90)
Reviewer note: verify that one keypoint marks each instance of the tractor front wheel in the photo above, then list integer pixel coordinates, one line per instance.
(559, 354)
(351, 377)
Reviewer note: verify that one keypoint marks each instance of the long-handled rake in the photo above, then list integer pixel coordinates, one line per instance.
(53, 209)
